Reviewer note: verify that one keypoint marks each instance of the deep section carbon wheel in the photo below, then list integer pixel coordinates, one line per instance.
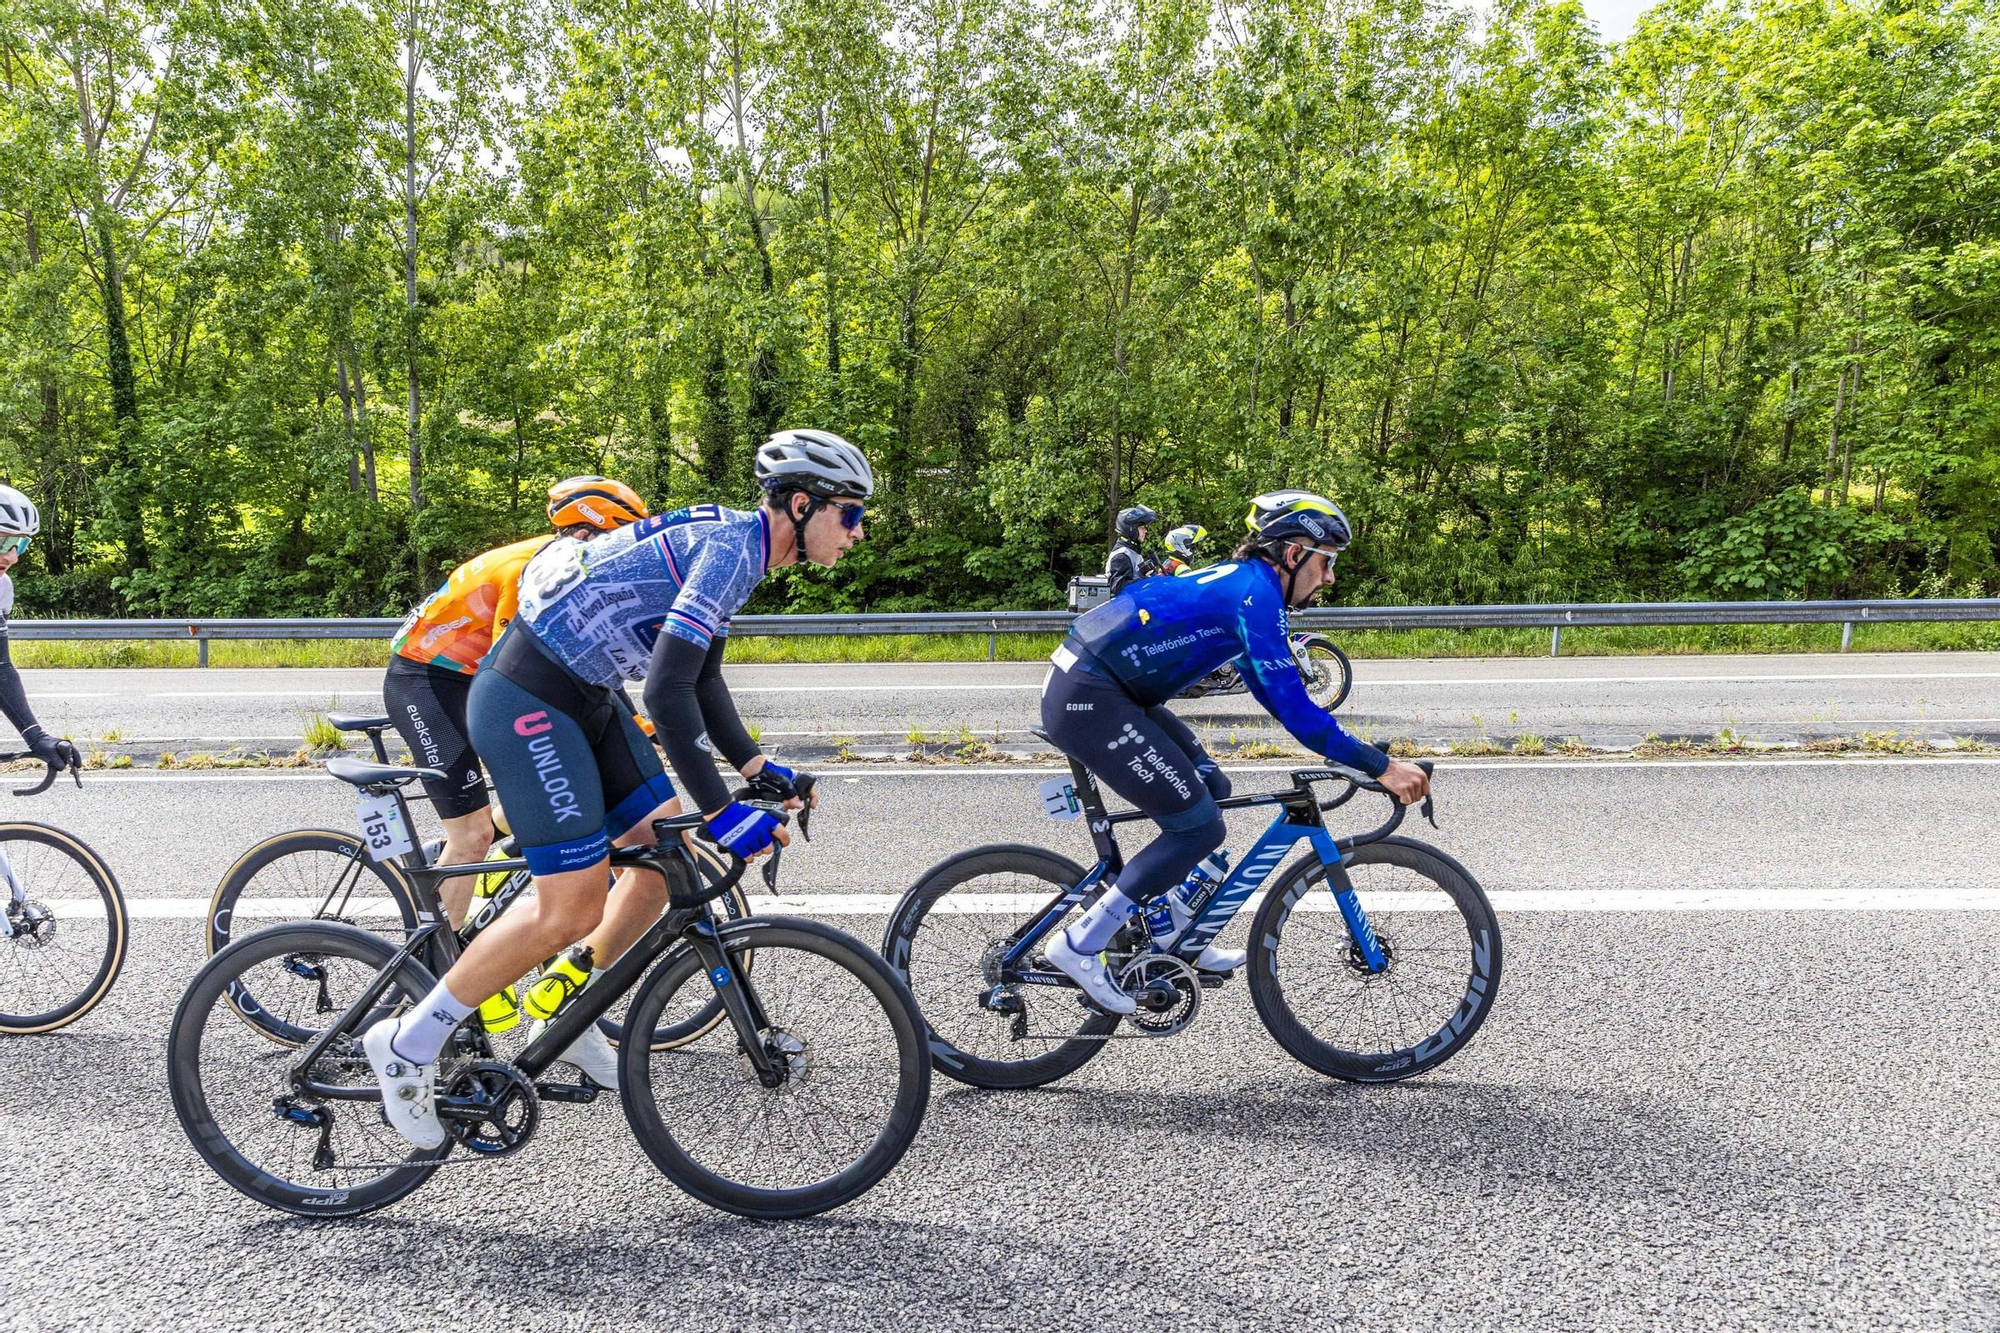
(1316, 995)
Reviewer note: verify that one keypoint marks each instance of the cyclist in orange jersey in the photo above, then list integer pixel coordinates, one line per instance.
(437, 649)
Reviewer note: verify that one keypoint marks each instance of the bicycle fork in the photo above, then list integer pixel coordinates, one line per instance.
(1342, 887)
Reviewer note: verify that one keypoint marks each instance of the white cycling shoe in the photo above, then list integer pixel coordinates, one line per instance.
(591, 1052)
(1221, 961)
(409, 1100)
(1087, 971)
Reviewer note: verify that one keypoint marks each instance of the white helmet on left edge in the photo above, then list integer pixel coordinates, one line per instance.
(18, 515)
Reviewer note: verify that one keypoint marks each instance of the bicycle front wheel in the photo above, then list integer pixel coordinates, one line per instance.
(852, 1085)
(232, 1091)
(66, 929)
(1316, 995)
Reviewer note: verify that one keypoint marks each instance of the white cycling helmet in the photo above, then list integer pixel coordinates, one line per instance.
(18, 515)
(817, 462)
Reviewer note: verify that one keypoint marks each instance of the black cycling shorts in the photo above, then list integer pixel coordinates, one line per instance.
(427, 708)
(569, 762)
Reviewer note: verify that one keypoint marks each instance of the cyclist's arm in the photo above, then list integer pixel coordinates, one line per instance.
(726, 732)
(1272, 674)
(13, 698)
(673, 698)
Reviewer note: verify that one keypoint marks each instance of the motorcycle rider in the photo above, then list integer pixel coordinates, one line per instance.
(1127, 560)
(1183, 541)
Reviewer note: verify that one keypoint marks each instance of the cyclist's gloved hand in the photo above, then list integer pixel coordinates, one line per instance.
(1213, 778)
(743, 829)
(774, 782)
(51, 750)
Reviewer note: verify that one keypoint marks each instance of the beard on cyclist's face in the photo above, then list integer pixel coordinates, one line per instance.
(1315, 571)
(827, 533)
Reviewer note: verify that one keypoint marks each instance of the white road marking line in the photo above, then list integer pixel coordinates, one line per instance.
(856, 772)
(1506, 900)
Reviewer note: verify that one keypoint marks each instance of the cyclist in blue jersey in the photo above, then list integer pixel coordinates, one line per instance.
(1104, 701)
(570, 765)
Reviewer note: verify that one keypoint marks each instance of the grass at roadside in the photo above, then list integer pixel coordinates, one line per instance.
(1641, 641)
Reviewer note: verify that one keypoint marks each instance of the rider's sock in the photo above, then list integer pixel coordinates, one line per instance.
(425, 1029)
(1094, 929)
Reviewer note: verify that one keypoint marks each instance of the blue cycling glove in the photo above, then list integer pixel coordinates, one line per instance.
(743, 829)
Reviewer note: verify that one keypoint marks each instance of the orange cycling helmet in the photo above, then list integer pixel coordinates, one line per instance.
(596, 502)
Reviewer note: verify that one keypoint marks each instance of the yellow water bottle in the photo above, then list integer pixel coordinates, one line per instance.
(491, 882)
(501, 1012)
(560, 982)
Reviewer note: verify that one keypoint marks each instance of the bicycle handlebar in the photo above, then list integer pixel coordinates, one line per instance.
(803, 784)
(48, 779)
(1358, 781)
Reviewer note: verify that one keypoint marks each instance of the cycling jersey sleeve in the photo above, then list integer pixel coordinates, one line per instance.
(726, 732)
(1272, 674)
(13, 699)
(721, 578)
(673, 697)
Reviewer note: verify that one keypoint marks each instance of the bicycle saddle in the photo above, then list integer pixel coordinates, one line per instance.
(354, 722)
(367, 773)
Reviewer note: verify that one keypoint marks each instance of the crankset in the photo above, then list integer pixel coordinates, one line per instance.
(491, 1107)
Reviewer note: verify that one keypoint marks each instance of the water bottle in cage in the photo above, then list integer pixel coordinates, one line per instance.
(1169, 914)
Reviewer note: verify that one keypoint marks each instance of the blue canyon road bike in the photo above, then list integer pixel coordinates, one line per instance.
(1373, 958)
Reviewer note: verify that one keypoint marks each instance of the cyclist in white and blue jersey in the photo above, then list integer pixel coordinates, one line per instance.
(571, 767)
(1104, 704)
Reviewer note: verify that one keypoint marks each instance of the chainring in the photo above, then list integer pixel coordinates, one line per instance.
(512, 1114)
(1150, 972)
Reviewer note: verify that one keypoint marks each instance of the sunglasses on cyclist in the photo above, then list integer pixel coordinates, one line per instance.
(14, 545)
(1331, 556)
(851, 515)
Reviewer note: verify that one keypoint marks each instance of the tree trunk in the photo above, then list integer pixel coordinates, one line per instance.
(346, 395)
(126, 489)
(1833, 433)
(410, 264)
(832, 283)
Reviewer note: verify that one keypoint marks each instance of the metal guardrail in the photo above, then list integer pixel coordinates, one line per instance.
(1554, 617)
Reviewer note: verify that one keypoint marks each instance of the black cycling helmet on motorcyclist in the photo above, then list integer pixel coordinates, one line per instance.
(1131, 520)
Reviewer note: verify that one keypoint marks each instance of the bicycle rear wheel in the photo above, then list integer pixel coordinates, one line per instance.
(856, 1077)
(944, 937)
(231, 1086)
(66, 929)
(305, 875)
(1329, 1011)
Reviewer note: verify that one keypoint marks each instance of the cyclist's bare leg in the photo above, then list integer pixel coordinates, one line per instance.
(637, 899)
(467, 838)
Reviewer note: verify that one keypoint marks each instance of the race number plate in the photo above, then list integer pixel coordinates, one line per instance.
(382, 827)
(1059, 799)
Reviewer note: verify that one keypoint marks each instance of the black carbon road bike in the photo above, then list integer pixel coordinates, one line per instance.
(325, 874)
(64, 931)
(805, 1094)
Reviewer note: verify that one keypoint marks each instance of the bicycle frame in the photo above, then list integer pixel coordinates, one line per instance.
(437, 945)
(1300, 819)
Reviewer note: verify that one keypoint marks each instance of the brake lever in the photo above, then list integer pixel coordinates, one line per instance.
(1429, 808)
(804, 786)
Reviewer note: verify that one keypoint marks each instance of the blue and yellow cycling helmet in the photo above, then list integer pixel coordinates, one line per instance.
(1310, 520)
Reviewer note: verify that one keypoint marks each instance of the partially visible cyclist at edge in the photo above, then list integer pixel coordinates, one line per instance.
(1103, 704)
(437, 650)
(570, 764)
(19, 522)
(1128, 559)
(1185, 543)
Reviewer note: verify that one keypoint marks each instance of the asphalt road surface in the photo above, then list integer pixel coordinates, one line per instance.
(1607, 702)
(1741, 1073)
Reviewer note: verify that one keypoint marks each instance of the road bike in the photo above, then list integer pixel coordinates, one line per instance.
(818, 1063)
(1373, 958)
(63, 936)
(328, 875)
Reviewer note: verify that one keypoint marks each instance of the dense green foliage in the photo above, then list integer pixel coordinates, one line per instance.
(301, 302)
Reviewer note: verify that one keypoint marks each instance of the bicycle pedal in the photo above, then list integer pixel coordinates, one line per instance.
(575, 1094)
